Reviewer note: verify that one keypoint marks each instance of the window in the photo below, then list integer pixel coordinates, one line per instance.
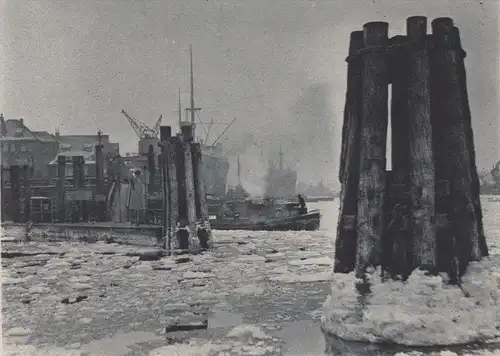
(88, 147)
(23, 148)
(65, 147)
(69, 170)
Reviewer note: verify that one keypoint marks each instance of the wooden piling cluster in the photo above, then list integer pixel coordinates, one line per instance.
(186, 221)
(424, 213)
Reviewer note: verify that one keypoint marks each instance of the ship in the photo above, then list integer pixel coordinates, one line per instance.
(280, 182)
(215, 163)
(490, 181)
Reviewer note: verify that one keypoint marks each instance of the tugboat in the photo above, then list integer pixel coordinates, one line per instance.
(265, 214)
(268, 214)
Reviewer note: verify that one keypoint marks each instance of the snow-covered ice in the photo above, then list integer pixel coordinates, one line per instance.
(95, 299)
(425, 310)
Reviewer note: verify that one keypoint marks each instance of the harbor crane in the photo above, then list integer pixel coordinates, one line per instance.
(142, 130)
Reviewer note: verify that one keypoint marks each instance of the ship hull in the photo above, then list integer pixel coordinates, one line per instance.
(214, 174)
(308, 222)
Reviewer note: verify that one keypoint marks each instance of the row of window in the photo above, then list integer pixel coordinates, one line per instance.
(14, 148)
(64, 147)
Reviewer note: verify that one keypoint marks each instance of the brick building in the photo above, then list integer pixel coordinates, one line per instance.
(81, 145)
(21, 146)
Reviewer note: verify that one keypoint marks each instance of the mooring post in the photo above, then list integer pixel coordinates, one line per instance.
(118, 190)
(397, 241)
(173, 192)
(203, 229)
(61, 184)
(151, 169)
(2, 195)
(448, 119)
(470, 143)
(79, 182)
(182, 234)
(187, 135)
(100, 201)
(372, 146)
(165, 134)
(15, 186)
(345, 250)
(420, 144)
(26, 176)
(27, 173)
(196, 178)
(85, 203)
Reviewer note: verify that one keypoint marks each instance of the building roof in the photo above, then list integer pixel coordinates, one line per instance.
(89, 157)
(17, 139)
(17, 129)
(44, 136)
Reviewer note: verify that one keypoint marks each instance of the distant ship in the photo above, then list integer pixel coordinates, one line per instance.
(214, 170)
(490, 181)
(237, 192)
(280, 182)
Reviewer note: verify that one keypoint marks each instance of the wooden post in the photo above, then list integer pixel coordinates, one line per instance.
(345, 250)
(196, 177)
(165, 133)
(27, 173)
(118, 194)
(181, 180)
(173, 192)
(61, 183)
(448, 118)
(470, 144)
(203, 230)
(25, 199)
(373, 147)
(2, 194)
(79, 182)
(190, 187)
(420, 143)
(15, 187)
(397, 242)
(100, 201)
(151, 169)
(84, 203)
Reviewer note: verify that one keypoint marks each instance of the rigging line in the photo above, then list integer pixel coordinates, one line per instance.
(201, 123)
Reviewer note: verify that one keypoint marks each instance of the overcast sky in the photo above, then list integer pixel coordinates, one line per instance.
(277, 66)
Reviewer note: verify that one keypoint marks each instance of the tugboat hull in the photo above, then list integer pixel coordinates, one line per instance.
(307, 222)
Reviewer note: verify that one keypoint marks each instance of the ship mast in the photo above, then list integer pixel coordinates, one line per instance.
(192, 109)
(180, 111)
(192, 83)
(239, 171)
(281, 159)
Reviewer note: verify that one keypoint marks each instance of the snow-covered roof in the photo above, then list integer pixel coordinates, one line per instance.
(89, 157)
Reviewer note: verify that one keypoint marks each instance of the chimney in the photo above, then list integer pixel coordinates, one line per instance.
(22, 122)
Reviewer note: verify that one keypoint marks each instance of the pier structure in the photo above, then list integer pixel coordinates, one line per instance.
(185, 223)
(425, 212)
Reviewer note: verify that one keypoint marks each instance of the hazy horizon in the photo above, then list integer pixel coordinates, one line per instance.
(278, 67)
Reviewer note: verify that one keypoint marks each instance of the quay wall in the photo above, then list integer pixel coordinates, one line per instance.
(146, 235)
